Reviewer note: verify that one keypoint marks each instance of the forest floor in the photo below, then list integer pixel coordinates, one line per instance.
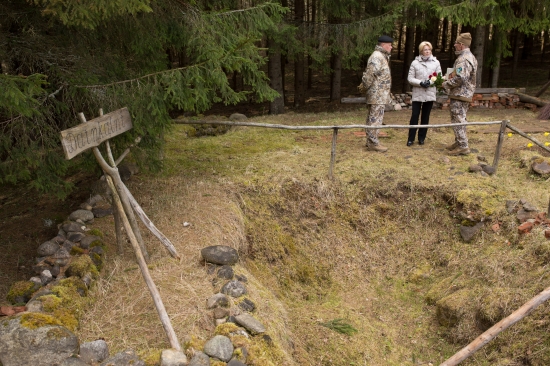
(24, 215)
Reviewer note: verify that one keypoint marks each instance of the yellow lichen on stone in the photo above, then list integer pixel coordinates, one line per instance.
(76, 250)
(263, 353)
(193, 344)
(66, 318)
(37, 320)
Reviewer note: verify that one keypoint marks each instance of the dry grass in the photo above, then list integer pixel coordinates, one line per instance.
(365, 247)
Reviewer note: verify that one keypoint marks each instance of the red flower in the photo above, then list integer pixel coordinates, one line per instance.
(434, 74)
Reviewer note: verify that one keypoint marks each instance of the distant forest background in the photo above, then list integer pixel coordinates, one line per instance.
(167, 57)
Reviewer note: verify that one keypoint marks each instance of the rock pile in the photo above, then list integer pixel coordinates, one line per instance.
(489, 100)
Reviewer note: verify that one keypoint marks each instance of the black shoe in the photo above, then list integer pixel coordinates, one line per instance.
(420, 142)
(409, 143)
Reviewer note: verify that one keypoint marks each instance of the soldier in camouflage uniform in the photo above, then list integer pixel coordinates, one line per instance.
(461, 86)
(376, 83)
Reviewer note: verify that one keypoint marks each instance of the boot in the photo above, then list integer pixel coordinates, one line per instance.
(378, 148)
(452, 146)
(459, 151)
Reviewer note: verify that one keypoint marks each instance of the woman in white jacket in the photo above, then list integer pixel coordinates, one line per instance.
(423, 95)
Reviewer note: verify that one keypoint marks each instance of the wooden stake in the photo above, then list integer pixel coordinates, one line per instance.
(333, 151)
(502, 325)
(499, 143)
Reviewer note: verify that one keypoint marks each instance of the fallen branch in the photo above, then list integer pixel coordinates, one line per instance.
(529, 99)
(502, 325)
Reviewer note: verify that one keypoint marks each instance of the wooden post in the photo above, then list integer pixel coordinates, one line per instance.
(333, 151)
(499, 143)
(502, 325)
(121, 200)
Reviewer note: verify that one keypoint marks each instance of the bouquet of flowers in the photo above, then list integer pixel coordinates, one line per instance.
(437, 80)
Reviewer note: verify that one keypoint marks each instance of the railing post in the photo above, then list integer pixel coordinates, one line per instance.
(333, 151)
(499, 143)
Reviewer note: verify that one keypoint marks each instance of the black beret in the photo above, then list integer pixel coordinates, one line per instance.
(385, 39)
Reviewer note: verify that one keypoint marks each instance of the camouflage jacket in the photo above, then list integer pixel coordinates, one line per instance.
(377, 78)
(462, 84)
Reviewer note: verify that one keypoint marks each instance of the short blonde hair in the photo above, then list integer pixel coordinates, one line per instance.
(424, 44)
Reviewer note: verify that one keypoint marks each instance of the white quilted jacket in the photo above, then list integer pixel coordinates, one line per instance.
(419, 71)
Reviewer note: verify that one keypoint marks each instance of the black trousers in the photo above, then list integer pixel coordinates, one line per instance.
(426, 108)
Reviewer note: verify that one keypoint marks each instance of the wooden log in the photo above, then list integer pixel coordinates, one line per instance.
(499, 143)
(502, 325)
(529, 99)
(149, 224)
(499, 90)
(537, 142)
(333, 152)
(354, 100)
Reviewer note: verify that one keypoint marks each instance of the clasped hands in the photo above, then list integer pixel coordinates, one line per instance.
(425, 83)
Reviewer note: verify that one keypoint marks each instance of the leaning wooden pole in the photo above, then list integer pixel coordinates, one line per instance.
(502, 325)
(521, 133)
(500, 141)
(119, 201)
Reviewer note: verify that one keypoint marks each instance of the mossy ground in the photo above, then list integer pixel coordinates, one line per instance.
(378, 245)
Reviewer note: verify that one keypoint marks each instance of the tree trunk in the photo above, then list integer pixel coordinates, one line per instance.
(336, 76)
(277, 106)
(478, 50)
(408, 53)
(299, 87)
(544, 40)
(517, 43)
(454, 35)
(497, 40)
(399, 39)
(444, 35)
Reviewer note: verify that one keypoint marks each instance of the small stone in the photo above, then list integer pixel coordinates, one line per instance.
(75, 236)
(87, 240)
(200, 359)
(238, 117)
(247, 305)
(475, 168)
(234, 289)
(225, 272)
(468, 232)
(186, 224)
(102, 212)
(489, 169)
(95, 351)
(71, 226)
(527, 206)
(83, 215)
(250, 323)
(481, 158)
(127, 357)
(171, 357)
(220, 254)
(47, 248)
(235, 362)
(217, 300)
(542, 168)
(46, 277)
(220, 313)
(241, 278)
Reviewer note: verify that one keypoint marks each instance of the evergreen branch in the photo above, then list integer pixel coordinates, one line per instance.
(339, 325)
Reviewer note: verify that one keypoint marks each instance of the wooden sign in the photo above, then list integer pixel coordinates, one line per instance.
(94, 132)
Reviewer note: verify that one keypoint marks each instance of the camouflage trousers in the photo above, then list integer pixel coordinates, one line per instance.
(458, 115)
(375, 115)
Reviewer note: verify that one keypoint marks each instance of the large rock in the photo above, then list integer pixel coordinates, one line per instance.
(47, 248)
(84, 215)
(200, 359)
(250, 323)
(220, 254)
(468, 232)
(234, 289)
(46, 345)
(219, 347)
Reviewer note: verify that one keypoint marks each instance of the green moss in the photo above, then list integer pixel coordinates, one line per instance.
(194, 344)
(444, 288)
(217, 363)
(76, 250)
(98, 243)
(151, 357)
(81, 265)
(450, 309)
(226, 328)
(37, 320)
(22, 289)
(50, 302)
(263, 353)
(96, 232)
(97, 261)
